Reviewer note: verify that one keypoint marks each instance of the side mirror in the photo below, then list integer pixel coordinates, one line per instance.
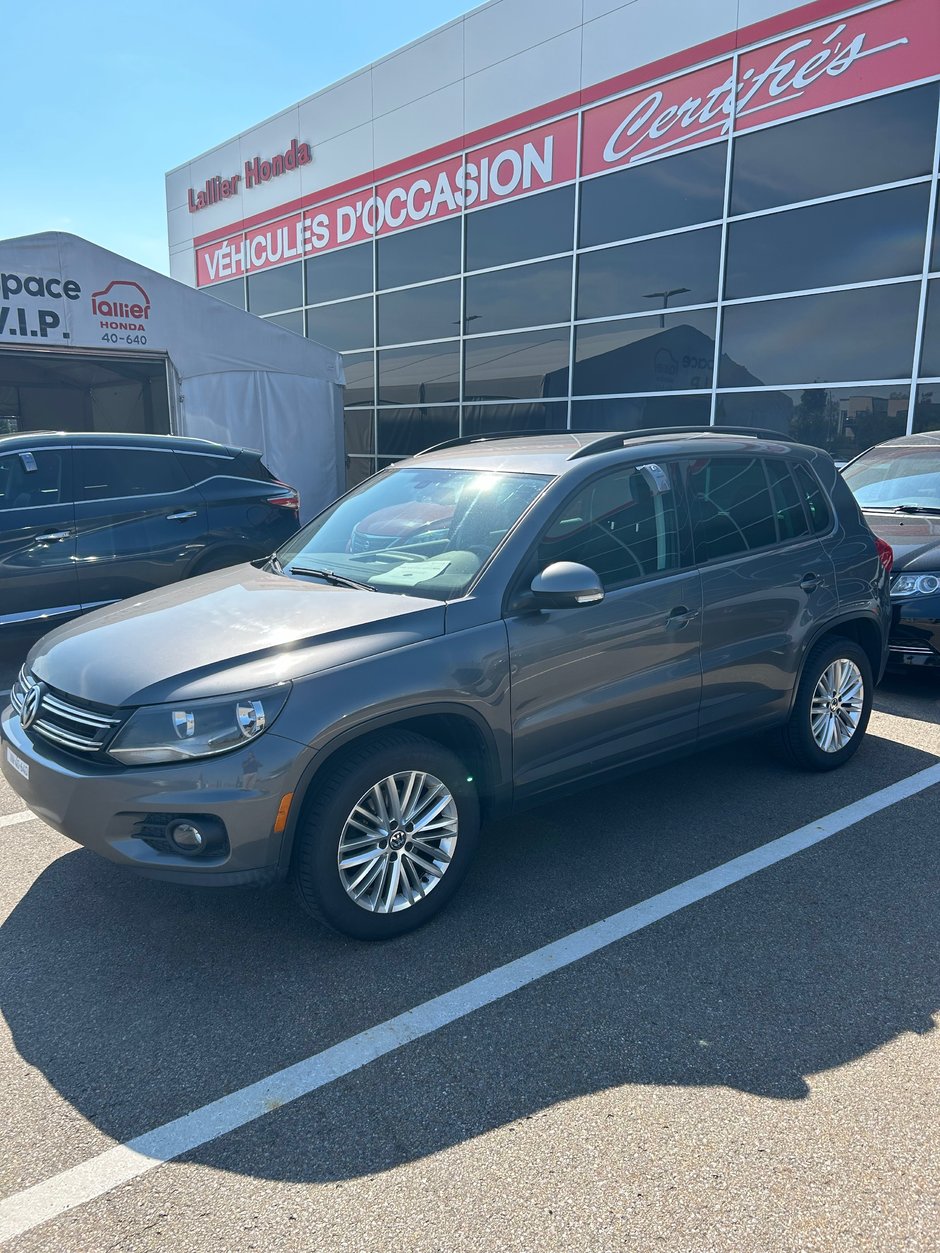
(565, 585)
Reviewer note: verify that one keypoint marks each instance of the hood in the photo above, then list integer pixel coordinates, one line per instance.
(230, 631)
(914, 538)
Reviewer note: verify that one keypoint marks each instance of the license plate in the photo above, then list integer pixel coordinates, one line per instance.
(17, 762)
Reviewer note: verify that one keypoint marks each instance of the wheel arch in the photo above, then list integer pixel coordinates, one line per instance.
(862, 629)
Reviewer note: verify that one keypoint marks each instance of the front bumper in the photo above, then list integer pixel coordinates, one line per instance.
(915, 632)
(102, 806)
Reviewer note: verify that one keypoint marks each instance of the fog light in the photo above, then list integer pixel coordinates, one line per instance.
(187, 837)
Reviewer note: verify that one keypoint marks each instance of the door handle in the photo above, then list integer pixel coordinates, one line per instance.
(52, 536)
(181, 516)
(680, 617)
(809, 582)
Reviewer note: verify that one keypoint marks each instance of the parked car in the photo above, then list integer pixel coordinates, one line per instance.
(89, 519)
(578, 604)
(897, 485)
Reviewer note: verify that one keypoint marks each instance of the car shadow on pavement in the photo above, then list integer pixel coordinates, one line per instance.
(138, 1001)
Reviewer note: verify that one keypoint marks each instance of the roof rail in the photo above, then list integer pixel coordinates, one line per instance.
(608, 442)
(482, 439)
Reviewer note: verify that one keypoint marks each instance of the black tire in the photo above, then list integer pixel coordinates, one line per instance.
(315, 871)
(798, 738)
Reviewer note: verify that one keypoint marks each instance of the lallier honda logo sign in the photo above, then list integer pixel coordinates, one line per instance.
(875, 50)
(37, 308)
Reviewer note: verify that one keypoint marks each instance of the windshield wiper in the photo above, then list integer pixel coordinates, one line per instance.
(902, 508)
(338, 580)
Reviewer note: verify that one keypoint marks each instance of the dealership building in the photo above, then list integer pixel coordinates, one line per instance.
(599, 215)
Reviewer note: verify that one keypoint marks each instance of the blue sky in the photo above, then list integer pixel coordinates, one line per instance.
(101, 99)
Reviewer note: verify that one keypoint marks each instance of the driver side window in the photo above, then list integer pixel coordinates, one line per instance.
(623, 526)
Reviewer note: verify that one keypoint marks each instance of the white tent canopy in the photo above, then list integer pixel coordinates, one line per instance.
(231, 376)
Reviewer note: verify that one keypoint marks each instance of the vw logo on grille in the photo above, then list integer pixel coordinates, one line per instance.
(31, 705)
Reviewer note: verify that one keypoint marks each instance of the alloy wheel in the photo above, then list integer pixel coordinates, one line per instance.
(837, 705)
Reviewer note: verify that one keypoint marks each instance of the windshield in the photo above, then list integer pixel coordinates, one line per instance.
(889, 478)
(424, 532)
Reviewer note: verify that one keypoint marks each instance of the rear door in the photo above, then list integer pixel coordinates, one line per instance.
(37, 537)
(766, 584)
(139, 521)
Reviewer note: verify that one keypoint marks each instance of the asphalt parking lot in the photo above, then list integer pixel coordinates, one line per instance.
(755, 1071)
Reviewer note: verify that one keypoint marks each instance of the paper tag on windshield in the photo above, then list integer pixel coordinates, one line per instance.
(414, 572)
(656, 477)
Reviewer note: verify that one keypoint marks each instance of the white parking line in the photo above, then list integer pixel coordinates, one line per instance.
(27, 1209)
(21, 815)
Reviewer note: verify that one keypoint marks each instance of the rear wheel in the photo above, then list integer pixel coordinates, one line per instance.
(387, 838)
(832, 706)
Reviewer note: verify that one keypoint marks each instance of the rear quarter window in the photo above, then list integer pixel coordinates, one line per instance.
(817, 506)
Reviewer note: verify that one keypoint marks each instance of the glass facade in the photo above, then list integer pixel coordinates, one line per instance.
(786, 277)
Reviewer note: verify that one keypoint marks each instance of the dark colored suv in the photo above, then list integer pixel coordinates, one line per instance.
(523, 615)
(87, 519)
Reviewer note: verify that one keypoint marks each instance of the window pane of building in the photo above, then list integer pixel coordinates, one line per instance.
(935, 251)
(636, 413)
(417, 313)
(528, 364)
(927, 408)
(342, 326)
(676, 269)
(930, 350)
(534, 416)
(534, 226)
(402, 432)
(360, 378)
(420, 254)
(671, 352)
(843, 420)
(345, 272)
(865, 333)
(271, 291)
(527, 295)
(232, 292)
(731, 507)
(293, 321)
(658, 196)
(419, 376)
(825, 245)
(359, 426)
(860, 145)
(358, 469)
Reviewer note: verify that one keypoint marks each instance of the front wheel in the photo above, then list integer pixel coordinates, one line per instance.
(387, 839)
(832, 706)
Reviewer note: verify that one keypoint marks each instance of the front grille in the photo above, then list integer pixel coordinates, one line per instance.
(62, 720)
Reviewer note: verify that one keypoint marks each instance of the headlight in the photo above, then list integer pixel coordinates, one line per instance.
(196, 728)
(915, 585)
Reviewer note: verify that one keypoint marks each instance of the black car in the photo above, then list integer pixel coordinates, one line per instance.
(897, 485)
(87, 519)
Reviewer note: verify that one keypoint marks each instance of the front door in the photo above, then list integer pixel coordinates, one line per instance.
(37, 537)
(617, 681)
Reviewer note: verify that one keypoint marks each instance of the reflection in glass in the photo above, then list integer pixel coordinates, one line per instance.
(927, 408)
(935, 250)
(657, 196)
(671, 352)
(359, 426)
(418, 376)
(534, 416)
(417, 313)
(843, 420)
(342, 326)
(420, 254)
(859, 145)
(930, 349)
(527, 364)
(232, 292)
(825, 245)
(865, 333)
(403, 432)
(534, 226)
(271, 291)
(360, 378)
(636, 413)
(358, 469)
(526, 295)
(681, 269)
(345, 272)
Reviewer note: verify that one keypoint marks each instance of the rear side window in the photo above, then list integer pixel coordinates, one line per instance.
(732, 506)
(820, 516)
(28, 479)
(791, 519)
(111, 473)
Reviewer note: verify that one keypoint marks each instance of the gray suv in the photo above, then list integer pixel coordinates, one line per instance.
(470, 630)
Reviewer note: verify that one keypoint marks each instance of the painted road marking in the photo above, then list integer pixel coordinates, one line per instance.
(21, 815)
(93, 1178)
